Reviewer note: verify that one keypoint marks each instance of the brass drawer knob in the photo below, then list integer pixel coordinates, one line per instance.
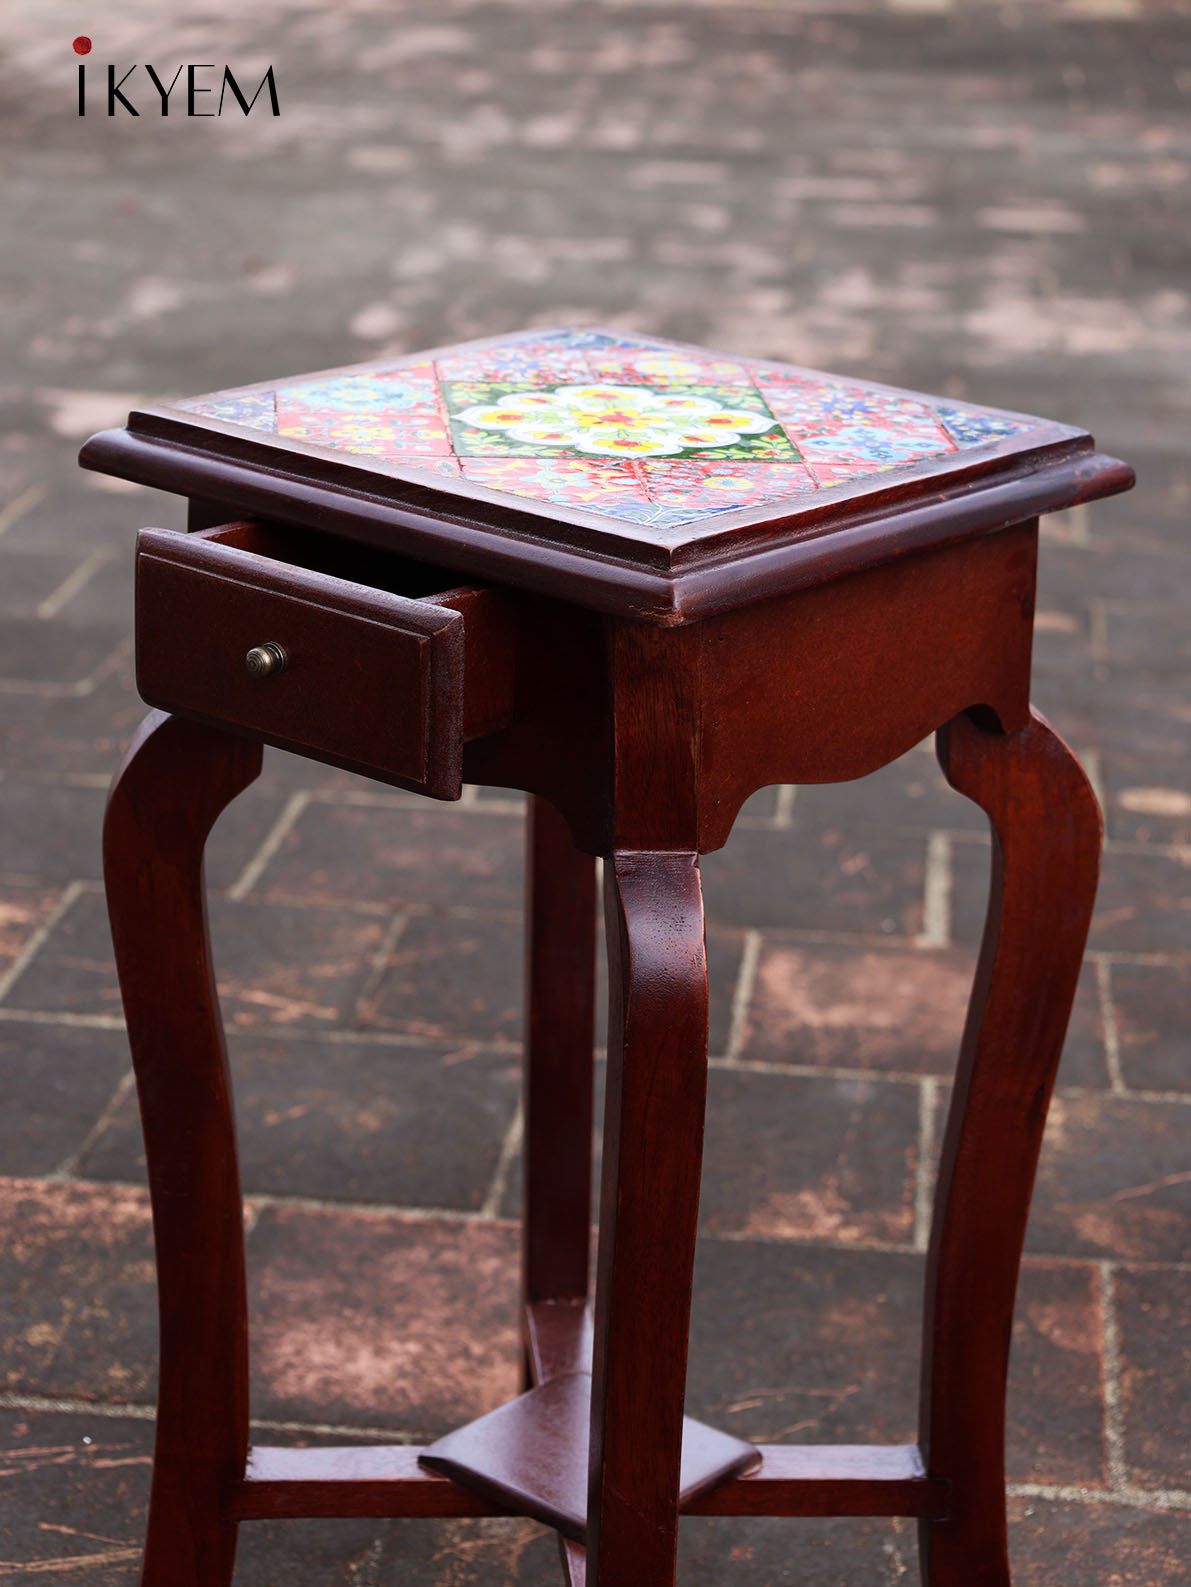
(267, 660)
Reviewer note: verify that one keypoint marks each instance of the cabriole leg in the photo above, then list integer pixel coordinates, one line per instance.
(1046, 848)
(653, 1133)
(175, 780)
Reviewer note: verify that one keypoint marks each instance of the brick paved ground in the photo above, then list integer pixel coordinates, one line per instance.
(986, 200)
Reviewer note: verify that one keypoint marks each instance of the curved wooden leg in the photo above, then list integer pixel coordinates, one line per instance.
(1046, 848)
(560, 1018)
(175, 780)
(653, 1134)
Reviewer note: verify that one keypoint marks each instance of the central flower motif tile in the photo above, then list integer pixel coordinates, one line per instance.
(614, 421)
(636, 430)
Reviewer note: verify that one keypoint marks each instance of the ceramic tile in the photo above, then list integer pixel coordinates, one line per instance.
(544, 363)
(602, 487)
(970, 429)
(620, 425)
(719, 486)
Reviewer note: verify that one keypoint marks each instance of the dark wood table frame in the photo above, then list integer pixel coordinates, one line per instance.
(638, 737)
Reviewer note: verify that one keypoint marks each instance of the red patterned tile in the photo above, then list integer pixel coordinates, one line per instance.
(556, 479)
(713, 487)
(537, 363)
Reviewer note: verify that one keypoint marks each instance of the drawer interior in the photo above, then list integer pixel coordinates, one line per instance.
(340, 559)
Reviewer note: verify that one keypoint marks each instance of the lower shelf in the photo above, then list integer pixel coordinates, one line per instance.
(531, 1455)
(387, 1480)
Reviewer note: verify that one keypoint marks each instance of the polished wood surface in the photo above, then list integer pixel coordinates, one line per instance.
(532, 1455)
(176, 779)
(649, 1204)
(204, 600)
(348, 1479)
(1045, 860)
(639, 716)
(831, 1479)
(560, 926)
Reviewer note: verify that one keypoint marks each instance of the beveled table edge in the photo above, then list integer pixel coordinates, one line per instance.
(786, 555)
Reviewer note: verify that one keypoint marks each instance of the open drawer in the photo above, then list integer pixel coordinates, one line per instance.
(325, 647)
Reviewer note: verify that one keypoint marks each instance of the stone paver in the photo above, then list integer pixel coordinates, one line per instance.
(984, 200)
(360, 1121)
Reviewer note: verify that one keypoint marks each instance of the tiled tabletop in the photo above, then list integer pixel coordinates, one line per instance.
(635, 429)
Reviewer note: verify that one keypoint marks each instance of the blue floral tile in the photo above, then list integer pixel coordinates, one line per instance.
(967, 428)
(257, 410)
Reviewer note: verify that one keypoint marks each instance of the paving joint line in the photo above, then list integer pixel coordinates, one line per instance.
(68, 1168)
(816, 1072)
(141, 1411)
(258, 1201)
(937, 884)
(783, 806)
(35, 1016)
(378, 1038)
(272, 841)
(509, 1147)
(480, 1048)
(379, 906)
(742, 996)
(381, 962)
(20, 505)
(80, 689)
(38, 939)
(1114, 1420)
(74, 583)
(1125, 1498)
(1108, 1022)
(266, 1201)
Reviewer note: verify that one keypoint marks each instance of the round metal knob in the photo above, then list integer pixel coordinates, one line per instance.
(267, 660)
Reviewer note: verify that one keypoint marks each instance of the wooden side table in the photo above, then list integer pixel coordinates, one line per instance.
(639, 581)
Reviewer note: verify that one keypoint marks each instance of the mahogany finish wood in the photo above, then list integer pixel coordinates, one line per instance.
(532, 1454)
(560, 923)
(175, 780)
(831, 1479)
(1046, 853)
(204, 601)
(639, 693)
(649, 1204)
(349, 1479)
(560, 1338)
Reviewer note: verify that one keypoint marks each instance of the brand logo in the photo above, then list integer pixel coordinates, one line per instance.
(123, 88)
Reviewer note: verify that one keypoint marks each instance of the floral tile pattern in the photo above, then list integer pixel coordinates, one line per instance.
(607, 420)
(621, 425)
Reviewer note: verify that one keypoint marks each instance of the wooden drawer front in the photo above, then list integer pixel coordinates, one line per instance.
(372, 679)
